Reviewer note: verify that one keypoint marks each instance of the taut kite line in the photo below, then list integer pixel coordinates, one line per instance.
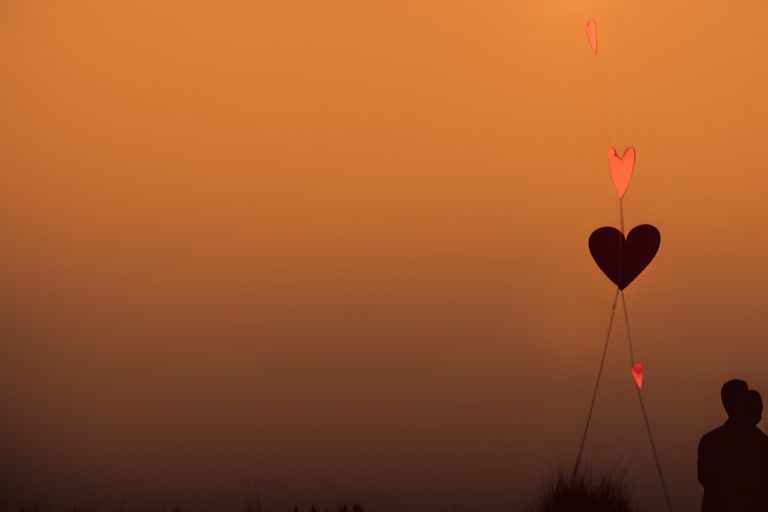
(622, 258)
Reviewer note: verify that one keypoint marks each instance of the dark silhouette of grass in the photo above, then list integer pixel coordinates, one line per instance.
(248, 507)
(584, 493)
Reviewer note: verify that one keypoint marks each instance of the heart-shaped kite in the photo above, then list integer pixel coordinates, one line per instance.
(621, 168)
(592, 35)
(622, 259)
(637, 374)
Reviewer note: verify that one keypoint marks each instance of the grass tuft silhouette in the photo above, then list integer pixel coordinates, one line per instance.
(584, 493)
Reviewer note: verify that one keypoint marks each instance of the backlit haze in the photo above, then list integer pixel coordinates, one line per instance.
(337, 251)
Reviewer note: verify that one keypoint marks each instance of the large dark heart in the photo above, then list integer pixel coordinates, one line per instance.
(623, 260)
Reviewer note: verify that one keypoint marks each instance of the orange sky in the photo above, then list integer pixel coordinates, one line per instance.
(337, 250)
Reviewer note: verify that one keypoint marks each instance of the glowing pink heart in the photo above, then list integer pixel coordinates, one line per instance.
(621, 169)
(637, 374)
(592, 35)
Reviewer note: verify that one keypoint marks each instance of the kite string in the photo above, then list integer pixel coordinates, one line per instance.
(603, 112)
(621, 216)
(597, 384)
(642, 408)
(601, 99)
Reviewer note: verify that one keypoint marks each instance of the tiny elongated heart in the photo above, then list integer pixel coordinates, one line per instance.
(592, 35)
(637, 374)
(622, 260)
(621, 168)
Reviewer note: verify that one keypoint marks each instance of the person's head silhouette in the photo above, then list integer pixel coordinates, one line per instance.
(754, 407)
(732, 394)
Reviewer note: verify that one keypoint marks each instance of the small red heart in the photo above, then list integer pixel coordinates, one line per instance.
(621, 168)
(592, 35)
(637, 374)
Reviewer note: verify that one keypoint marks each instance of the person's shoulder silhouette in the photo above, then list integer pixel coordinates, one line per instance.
(733, 458)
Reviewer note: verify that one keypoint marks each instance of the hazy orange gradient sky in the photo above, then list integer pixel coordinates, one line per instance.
(337, 251)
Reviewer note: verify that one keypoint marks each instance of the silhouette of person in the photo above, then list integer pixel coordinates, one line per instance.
(754, 407)
(733, 458)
